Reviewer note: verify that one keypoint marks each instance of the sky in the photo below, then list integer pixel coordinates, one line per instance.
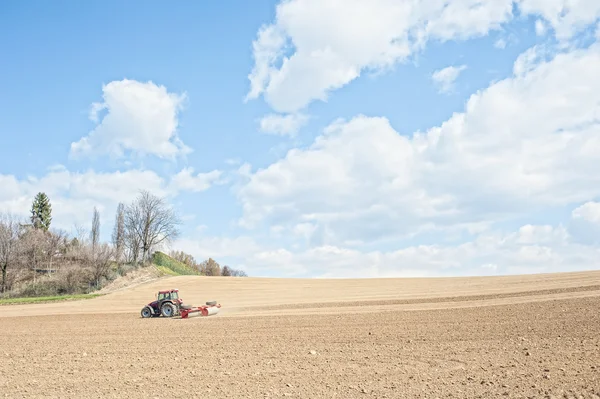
(315, 138)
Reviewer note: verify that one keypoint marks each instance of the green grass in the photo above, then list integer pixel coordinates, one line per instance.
(165, 270)
(56, 298)
(171, 266)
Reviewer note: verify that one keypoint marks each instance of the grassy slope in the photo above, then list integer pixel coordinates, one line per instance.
(172, 267)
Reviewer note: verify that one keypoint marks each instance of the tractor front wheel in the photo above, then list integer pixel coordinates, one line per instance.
(146, 312)
(168, 310)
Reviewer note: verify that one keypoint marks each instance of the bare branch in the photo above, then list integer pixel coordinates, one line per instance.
(150, 222)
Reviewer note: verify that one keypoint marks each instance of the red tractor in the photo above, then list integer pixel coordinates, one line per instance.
(168, 304)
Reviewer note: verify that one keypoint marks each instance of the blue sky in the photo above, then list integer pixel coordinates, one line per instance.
(396, 139)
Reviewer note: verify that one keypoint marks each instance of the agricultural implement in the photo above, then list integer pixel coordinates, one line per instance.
(169, 304)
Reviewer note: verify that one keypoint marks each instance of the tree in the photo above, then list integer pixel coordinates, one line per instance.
(238, 273)
(118, 235)
(150, 222)
(9, 247)
(226, 271)
(184, 258)
(95, 233)
(100, 262)
(41, 212)
(210, 268)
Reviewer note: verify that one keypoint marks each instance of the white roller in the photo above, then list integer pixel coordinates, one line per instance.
(211, 311)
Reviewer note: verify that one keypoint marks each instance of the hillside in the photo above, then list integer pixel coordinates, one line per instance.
(172, 267)
(162, 266)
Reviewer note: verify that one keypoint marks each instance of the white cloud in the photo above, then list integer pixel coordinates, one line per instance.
(590, 212)
(500, 43)
(204, 247)
(185, 180)
(445, 78)
(530, 249)
(283, 125)
(545, 234)
(316, 46)
(333, 42)
(585, 223)
(140, 117)
(527, 142)
(566, 17)
(74, 195)
(540, 28)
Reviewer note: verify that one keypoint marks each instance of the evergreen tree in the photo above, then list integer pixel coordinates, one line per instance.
(41, 212)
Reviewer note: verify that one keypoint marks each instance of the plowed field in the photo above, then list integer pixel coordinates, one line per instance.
(514, 336)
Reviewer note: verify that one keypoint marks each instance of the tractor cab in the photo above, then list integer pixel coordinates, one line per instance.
(167, 295)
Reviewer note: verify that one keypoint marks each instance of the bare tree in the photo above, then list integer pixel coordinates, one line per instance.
(80, 234)
(132, 243)
(118, 235)
(57, 246)
(35, 247)
(184, 258)
(100, 262)
(151, 222)
(9, 247)
(95, 233)
(238, 273)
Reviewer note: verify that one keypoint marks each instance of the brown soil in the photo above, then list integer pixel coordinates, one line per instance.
(519, 336)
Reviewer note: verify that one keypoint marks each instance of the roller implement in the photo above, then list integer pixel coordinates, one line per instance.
(169, 304)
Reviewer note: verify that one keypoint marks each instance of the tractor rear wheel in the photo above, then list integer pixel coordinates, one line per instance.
(168, 310)
(146, 312)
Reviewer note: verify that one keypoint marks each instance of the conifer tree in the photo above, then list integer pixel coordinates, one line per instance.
(41, 212)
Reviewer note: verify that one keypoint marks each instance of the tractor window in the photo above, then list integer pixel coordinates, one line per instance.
(161, 297)
(174, 295)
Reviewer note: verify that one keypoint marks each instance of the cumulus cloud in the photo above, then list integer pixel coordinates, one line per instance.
(565, 17)
(283, 125)
(590, 212)
(540, 28)
(444, 78)
(185, 180)
(139, 117)
(527, 142)
(74, 195)
(585, 223)
(316, 46)
(530, 249)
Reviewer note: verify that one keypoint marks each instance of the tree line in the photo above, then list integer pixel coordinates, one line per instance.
(31, 251)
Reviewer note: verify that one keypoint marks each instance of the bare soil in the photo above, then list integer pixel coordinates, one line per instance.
(518, 337)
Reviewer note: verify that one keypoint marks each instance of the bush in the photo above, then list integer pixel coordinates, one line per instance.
(72, 280)
(43, 288)
(229, 272)
(125, 268)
